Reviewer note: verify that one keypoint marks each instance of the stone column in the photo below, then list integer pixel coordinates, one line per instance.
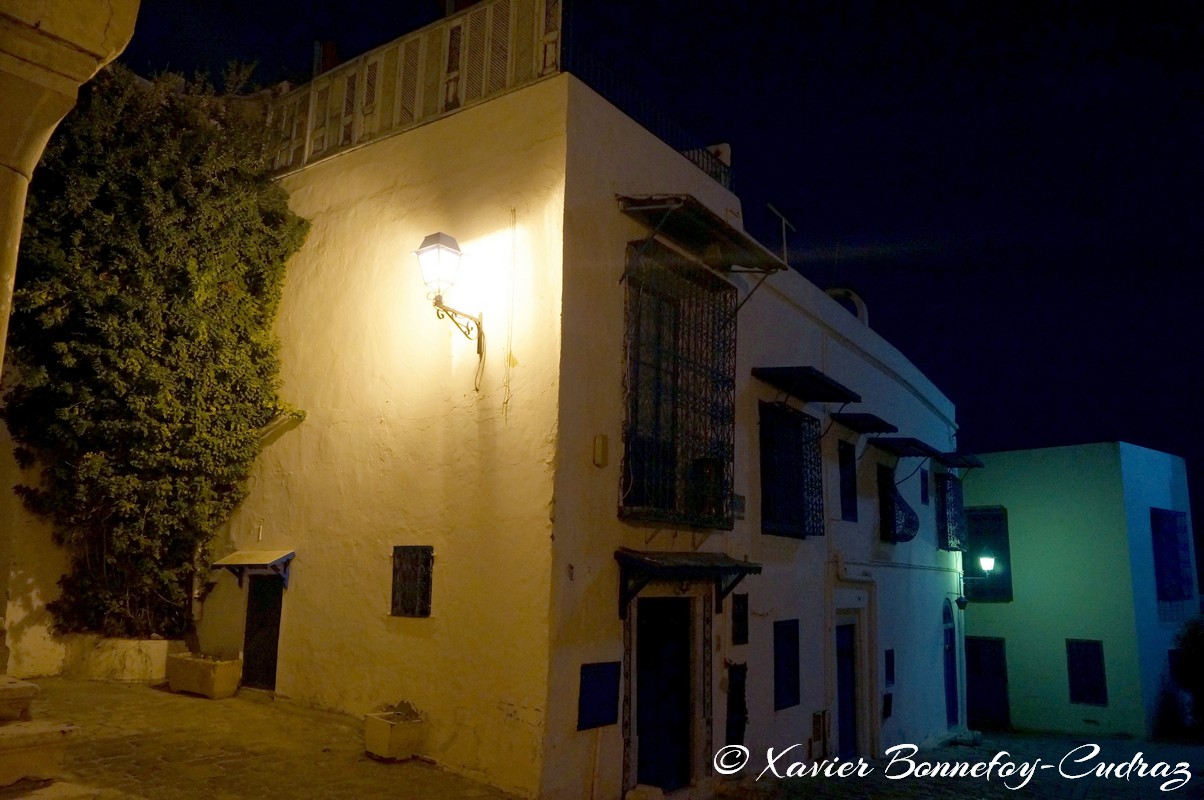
(48, 49)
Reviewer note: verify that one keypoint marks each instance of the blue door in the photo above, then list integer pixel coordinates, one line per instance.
(950, 667)
(846, 690)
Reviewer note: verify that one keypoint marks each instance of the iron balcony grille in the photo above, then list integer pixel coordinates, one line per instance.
(679, 435)
(899, 521)
(950, 513)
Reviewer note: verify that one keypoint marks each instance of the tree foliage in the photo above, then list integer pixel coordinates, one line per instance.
(141, 346)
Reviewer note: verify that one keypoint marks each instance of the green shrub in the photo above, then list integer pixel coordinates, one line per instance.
(141, 346)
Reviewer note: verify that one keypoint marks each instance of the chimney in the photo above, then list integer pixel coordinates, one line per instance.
(326, 57)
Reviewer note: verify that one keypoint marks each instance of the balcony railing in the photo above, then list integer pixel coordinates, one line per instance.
(450, 64)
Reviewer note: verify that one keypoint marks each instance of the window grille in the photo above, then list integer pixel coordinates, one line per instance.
(499, 48)
(412, 573)
(408, 107)
(348, 110)
(551, 36)
(950, 513)
(1173, 574)
(1085, 670)
(899, 521)
(321, 119)
(680, 343)
(451, 80)
(792, 488)
(474, 70)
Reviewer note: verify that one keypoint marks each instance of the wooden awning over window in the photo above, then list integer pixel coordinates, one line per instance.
(962, 460)
(807, 384)
(905, 447)
(639, 568)
(864, 423)
(690, 225)
(258, 562)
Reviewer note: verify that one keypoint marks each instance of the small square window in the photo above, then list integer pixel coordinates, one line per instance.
(412, 570)
(1085, 667)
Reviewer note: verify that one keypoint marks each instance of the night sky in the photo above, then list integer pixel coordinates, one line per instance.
(1014, 188)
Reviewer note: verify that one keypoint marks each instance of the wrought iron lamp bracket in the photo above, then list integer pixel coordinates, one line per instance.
(468, 324)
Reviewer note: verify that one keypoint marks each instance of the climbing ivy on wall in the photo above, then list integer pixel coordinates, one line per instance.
(143, 364)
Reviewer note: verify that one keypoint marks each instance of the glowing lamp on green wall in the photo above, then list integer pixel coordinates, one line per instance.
(986, 561)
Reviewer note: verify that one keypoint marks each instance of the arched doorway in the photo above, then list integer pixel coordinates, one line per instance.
(951, 711)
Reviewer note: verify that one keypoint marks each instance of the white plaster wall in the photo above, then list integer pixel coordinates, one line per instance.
(1070, 580)
(397, 448)
(33, 564)
(789, 321)
(1159, 480)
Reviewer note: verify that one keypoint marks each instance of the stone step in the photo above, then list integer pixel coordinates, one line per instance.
(15, 698)
(32, 750)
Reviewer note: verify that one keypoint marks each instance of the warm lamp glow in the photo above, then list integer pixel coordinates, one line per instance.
(987, 563)
(439, 259)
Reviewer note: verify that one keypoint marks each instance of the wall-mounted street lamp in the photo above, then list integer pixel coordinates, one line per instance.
(987, 562)
(439, 259)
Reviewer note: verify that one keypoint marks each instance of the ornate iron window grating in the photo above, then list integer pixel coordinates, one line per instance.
(950, 513)
(1174, 580)
(899, 522)
(792, 483)
(679, 436)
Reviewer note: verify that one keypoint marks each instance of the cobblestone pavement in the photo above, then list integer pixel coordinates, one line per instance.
(906, 780)
(146, 742)
(141, 742)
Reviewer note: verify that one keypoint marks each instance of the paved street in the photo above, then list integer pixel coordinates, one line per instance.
(149, 743)
(141, 742)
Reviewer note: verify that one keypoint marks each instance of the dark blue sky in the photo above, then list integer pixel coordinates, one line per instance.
(1013, 187)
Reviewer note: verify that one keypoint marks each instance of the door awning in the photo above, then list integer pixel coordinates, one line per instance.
(906, 447)
(257, 562)
(807, 384)
(689, 224)
(639, 568)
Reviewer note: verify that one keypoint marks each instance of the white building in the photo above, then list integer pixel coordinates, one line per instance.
(640, 521)
(1095, 576)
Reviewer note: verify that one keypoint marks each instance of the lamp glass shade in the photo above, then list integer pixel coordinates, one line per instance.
(439, 260)
(987, 563)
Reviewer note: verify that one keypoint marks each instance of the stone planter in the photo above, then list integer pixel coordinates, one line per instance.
(204, 675)
(95, 657)
(393, 736)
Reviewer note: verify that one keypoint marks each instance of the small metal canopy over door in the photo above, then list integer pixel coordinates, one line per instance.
(261, 640)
